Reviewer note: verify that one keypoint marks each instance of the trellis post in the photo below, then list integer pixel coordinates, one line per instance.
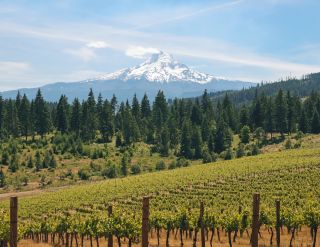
(203, 240)
(278, 222)
(255, 220)
(145, 221)
(13, 221)
(110, 237)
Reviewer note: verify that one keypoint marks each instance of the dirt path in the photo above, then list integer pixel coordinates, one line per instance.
(5, 196)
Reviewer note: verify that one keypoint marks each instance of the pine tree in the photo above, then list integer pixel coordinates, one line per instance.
(196, 114)
(291, 113)
(106, 126)
(196, 143)
(114, 104)
(244, 116)
(220, 137)
(185, 145)
(281, 111)
(206, 106)
(145, 107)
(92, 116)
(315, 122)
(165, 142)
(41, 115)
(89, 118)
(245, 134)
(211, 140)
(38, 162)
(12, 120)
(62, 114)
(269, 117)
(135, 108)
(228, 113)
(125, 160)
(303, 122)
(257, 113)
(160, 110)
(24, 116)
(75, 123)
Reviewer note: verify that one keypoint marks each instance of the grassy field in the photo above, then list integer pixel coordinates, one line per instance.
(95, 159)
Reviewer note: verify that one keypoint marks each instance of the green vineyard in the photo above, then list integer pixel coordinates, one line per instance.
(78, 213)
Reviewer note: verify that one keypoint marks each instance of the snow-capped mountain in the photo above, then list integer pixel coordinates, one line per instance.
(159, 72)
(160, 67)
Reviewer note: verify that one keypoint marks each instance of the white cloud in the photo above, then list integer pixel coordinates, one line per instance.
(140, 52)
(9, 67)
(97, 44)
(191, 14)
(84, 53)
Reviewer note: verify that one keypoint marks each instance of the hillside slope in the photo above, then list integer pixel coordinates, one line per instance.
(300, 87)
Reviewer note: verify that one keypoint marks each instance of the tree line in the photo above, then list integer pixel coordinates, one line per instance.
(192, 128)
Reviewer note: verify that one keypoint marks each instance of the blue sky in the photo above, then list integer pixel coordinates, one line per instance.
(70, 40)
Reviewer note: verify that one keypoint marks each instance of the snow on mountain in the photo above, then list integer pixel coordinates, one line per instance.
(160, 67)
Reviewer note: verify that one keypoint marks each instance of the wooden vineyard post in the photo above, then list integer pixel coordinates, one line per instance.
(255, 219)
(278, 222)
(110, 237)
(203, 240)
(145, 221)
(13, 221)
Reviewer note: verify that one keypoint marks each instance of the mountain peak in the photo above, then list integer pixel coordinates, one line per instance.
(160, 57)
(159, 67)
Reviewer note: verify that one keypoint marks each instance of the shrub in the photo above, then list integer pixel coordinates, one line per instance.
(229, 154)
(135, 169)
(206, 157)
(5, 158)
(240, 151)
(255, 150)
(84, 174)
(110, 171)
(160, 165)
(288, 144)
(172, 165)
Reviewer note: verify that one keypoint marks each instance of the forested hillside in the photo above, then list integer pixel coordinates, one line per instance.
(299, 87)
(103, 138)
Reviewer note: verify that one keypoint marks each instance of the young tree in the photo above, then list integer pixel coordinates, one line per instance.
(245, 134)
(124, 164)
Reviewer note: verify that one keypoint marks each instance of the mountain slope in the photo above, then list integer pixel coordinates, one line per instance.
(159, 72)
(160, 67)
(300, 87)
